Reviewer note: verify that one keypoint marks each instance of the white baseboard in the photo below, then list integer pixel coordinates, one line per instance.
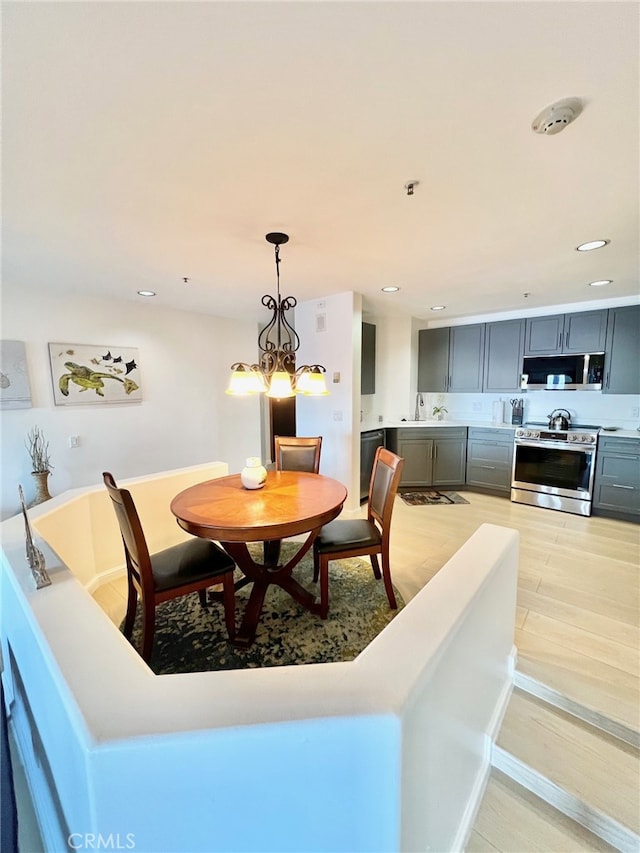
(476, 795)
(105, 577)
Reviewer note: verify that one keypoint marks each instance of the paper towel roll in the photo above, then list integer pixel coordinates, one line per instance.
(498, 411)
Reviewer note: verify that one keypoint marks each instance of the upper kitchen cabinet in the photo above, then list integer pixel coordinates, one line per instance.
(503, 351)
(622, 351)
(450, 359)
(466, 346)
(368, 362)
(433, 359)
(583, 332)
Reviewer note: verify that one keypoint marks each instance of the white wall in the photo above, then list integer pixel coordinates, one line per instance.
(185, 417)
(335, 417)
(396, 372)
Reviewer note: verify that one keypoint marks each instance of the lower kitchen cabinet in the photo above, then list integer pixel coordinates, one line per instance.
(617, 478)
(432, 457)
(489, 459)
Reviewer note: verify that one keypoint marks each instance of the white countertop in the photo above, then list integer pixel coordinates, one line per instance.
(433, 424)
(620, 433)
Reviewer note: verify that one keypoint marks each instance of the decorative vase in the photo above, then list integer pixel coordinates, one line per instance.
(40, 478)
(254, 474)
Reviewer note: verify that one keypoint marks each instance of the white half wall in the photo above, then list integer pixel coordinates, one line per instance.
(185, 418)
(389, 752)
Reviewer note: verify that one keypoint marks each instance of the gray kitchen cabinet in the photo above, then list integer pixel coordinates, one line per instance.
(433, 360)
(566, 333)
(368, 359)
(370, 441)
(622, 351)
(466, 348)
(432, 457)
(451, 359)
(489, 459)
(585, 331)
(503, 352)
(617, 478)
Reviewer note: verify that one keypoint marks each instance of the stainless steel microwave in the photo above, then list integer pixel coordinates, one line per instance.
(582, 372)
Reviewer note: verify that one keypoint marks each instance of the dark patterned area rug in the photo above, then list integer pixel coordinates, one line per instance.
(191, 639)
(432, 498)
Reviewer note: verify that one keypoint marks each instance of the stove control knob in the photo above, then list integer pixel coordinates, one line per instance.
(573, 436)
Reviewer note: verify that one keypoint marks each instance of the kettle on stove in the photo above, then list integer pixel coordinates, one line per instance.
(558, 421)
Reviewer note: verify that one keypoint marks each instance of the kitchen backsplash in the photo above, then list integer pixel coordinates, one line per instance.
(588, 407)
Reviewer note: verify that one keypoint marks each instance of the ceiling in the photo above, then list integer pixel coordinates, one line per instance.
(148, 142)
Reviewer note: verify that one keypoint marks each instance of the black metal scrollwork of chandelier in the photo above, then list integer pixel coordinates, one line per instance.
(276, 374)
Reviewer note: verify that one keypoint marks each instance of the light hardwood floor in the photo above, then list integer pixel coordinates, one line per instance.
(577, 631)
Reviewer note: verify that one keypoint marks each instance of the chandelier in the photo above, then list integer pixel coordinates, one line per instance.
(276, 373)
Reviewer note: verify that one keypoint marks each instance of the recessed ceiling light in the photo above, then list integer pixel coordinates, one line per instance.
(592, 244)
(601, 283)
(390, 289)
(146, 293)
(438, 307)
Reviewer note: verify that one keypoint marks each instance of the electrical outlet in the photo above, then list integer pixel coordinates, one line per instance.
(337, 415)
(635, 412)
(74, 441)
(476, 407)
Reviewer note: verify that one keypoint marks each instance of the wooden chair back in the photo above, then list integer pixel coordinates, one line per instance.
(383, 486)
(298, 453)
(135, 545)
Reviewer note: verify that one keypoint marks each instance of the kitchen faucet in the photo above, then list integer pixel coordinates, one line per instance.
(419, 403)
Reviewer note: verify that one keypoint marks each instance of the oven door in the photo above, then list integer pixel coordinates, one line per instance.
(554, 468)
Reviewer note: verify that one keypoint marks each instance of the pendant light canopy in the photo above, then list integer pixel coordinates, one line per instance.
(276, 374)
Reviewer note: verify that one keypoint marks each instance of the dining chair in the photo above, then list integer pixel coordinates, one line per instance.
(298, 453)
(362, 537)
(179, 570)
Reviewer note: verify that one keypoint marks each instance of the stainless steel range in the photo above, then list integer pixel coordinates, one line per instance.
(554, 468)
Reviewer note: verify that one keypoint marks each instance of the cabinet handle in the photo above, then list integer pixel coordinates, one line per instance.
(566, 341)
(620, 486)
(488, 467)
(606, 381)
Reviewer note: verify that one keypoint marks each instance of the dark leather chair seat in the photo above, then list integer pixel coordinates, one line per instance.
(355, 533)
(188, 562)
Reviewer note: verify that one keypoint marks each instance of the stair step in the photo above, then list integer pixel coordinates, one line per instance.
(512, 819)
(585, 772)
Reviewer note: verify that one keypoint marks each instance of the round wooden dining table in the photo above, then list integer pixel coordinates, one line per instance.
(289, 504)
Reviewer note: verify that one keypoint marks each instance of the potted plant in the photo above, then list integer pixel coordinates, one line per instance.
(438, 412)
(41, 466)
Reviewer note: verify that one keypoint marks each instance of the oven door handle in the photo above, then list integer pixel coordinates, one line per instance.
(556, 445)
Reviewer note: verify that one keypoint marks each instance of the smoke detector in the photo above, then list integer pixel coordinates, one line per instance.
(556, 117)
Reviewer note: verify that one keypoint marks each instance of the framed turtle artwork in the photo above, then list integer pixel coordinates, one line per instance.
(85, 373)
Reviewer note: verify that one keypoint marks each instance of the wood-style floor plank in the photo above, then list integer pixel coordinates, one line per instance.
(512, 820)
(594, 767)
(579, 617)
